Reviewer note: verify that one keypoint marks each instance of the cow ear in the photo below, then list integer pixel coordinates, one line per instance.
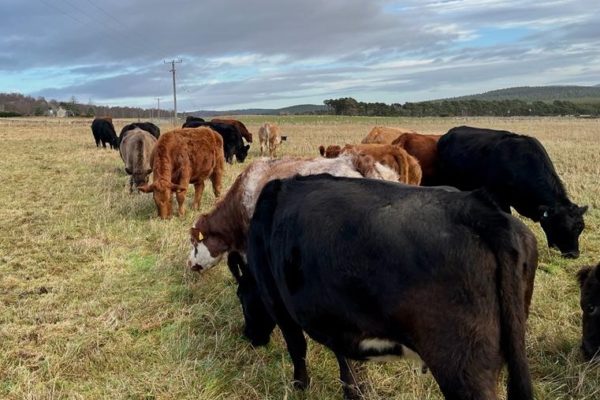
(582, 210)
(149, 171)
(583, 274)
(544, 212)
(322, 150)
(146, 188)
(128, 171)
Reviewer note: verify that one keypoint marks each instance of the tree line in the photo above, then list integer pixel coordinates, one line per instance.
(16, 104)
(461, 108)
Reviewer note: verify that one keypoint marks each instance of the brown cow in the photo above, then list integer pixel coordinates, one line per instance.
(181, 157)
(589, 282)
(135, 150)
(384, 135)
(332, 151)
(241, 128)
(270, 138)
(424, 149)
(225, 228)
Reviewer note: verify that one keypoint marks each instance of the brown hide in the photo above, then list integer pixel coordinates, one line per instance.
(135, 151)
(332, 151)
(384, 135)
(182, 157)
(424, 149)
(241, 128)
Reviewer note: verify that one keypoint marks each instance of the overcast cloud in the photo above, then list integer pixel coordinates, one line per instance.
(276, 53)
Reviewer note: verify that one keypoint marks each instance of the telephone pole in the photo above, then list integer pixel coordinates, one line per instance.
(158, 109)
(173, 62)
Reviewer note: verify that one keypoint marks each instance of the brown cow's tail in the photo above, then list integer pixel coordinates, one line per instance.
(513, 274)
(403, 165)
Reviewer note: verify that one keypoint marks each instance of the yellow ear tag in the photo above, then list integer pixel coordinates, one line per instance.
(200, 237)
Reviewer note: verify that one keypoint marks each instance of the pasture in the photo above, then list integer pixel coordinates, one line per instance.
(96, 301)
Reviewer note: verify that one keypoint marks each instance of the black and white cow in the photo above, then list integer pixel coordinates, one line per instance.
(376, 269)
(518, 172)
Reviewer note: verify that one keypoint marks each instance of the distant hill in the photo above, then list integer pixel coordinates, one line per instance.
(576, 94)
(298, 109)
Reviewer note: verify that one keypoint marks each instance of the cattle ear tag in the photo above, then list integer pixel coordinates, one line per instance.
(545, 214)
(200, 236)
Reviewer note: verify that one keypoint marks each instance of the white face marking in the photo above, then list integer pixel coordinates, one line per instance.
(200, 258)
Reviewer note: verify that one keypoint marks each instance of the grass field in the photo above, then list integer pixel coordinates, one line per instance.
(96, 302)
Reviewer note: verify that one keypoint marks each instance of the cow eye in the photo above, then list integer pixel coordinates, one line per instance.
(592, 309)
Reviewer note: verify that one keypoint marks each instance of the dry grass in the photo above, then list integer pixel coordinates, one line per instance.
(95, 301)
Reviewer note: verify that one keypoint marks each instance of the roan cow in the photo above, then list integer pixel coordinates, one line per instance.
(589, 282)
(104, 132)
(225, 227)
(182, 157)
(376, 269)
(518, 172)
(136, 149)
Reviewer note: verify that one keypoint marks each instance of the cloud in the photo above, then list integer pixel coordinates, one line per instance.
(238, 53)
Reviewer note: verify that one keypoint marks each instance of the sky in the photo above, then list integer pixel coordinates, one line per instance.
(276, 53)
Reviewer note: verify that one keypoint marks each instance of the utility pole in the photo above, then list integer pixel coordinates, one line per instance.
(173, 62)
(158, 109)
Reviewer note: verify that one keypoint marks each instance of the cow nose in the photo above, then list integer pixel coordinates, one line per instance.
(571, 254)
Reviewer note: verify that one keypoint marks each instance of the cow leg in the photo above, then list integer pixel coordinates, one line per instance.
(198, 190)
(348, 376)
(296, 345)
(216, 180)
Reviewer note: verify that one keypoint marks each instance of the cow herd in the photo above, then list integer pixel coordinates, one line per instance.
(402, 245)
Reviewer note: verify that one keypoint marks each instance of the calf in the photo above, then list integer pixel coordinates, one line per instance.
(135, 150)
(104, 132)
(517, 171)
(146, 126)
(424, 149)
(225, 227)
(589, 282)
(181, 157)
(384, 135)
(442, 275)
(241, 128)
(332, 151)
(270, 138)
(232, 139)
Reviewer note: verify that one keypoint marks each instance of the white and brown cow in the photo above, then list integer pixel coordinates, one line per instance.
(225, 228)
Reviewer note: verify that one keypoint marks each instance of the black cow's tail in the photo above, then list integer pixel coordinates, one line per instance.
(513, 273)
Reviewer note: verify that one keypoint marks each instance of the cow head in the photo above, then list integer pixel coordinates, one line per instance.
(242, 153)
(207, 249)
(139, 178)
(589, 281)
(258, 322)
(162, 196)
(563, 224)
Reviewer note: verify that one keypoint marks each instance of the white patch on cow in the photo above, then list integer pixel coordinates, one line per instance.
(200, 257)
(385, 173)
(376, 344)
(382, 346)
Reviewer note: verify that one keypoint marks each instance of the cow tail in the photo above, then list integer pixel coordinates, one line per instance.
(512, 295)
(403, 166)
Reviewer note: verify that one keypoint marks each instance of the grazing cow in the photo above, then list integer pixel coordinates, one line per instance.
(238, 125)
(232, 139)
(181, 157)
(146, 126)
(332, 151)
(406, 166)
(270, 138)
(384, 135)
(443, 275)
(424, 149)
(589, 282)
(104, 132)
(135, 150)
(517, 171)
(224, 228)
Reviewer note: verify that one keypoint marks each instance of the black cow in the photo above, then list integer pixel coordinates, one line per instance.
(517, 171)
(373, 269)
(589, 281)
(104, 132)
(145, 126)
(232, 139)
(191, 118)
